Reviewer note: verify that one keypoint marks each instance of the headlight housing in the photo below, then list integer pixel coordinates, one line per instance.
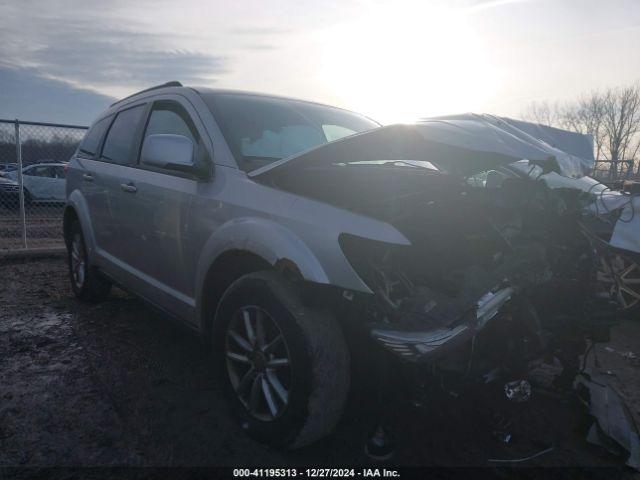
(361, 253)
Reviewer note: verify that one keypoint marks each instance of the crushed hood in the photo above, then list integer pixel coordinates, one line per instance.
(463, 144)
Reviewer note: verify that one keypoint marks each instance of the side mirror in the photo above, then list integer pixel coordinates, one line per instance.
(173, 152)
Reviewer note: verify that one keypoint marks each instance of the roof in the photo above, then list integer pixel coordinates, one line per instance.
(45, 163)
(207, 91)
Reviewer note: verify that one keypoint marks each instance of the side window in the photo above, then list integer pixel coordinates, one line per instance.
(60, 172)
(42, 171)
(119, 146)
(91, 140)
(170, 117)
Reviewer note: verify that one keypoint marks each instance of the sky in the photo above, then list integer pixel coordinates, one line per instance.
(395, 61)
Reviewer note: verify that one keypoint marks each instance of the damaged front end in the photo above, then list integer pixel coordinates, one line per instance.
(493, 282)
(487, 286)
(492, 278)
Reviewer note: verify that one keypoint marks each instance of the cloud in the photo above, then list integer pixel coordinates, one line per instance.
(260, 31)
(99, 53)
(489, 4)
(260, 47)
(26, 95)
(99, 61)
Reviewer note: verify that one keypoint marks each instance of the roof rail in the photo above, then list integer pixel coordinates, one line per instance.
(173, 83)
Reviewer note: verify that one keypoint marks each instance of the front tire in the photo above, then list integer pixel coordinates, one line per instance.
(87, 283)
(619, 279)
(286, 366)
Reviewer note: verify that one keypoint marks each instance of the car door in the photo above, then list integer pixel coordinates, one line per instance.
(48, 183)
(37, 181)
(82, 176)
(58, 183)
(107, 176)
(158, 211)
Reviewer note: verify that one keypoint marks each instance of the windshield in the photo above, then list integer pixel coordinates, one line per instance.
(261, 130)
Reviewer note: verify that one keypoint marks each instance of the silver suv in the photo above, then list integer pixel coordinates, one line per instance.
(298, 246)
(162, 200)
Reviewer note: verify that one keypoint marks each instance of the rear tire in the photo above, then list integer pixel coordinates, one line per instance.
(290, 395)
(87, 283)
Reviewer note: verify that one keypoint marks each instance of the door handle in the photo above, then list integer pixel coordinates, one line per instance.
(87, 177)
(128, 187)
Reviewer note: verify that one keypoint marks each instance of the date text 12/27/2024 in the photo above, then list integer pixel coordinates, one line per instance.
(315, 472)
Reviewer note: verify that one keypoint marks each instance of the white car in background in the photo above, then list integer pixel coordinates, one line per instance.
(43, 182)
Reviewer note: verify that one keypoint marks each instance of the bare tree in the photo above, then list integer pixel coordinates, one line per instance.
(611, 116)
(621, 122)
(585, 115)
(543, 113)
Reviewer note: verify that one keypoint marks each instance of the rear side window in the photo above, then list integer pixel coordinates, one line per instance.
(119, 146)
(41, 171)
(91, 140)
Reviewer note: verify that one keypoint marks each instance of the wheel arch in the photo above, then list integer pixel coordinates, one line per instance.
(68, 218)
(77, 209)
(245, 246)
(225, 269)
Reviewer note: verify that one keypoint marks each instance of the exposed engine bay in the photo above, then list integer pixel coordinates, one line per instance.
(514, 261)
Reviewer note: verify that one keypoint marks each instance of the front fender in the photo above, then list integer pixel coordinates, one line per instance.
(264, 238)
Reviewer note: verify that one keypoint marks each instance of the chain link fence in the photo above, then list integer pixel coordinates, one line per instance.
(33, 159)
(612, 171)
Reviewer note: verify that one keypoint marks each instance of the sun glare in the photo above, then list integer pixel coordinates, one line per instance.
(400, 64)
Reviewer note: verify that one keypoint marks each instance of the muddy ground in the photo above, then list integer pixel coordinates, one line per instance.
(43, 225)
(118, 384)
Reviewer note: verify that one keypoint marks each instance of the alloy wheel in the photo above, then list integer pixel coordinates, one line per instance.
(620, 280)
(258, 363)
